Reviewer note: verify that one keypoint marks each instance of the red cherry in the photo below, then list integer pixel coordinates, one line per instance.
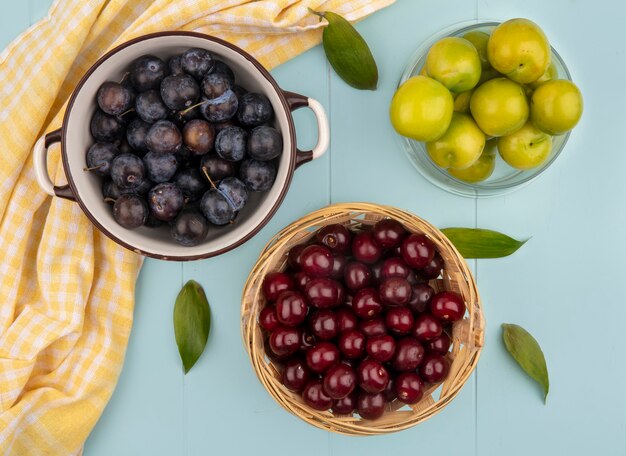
(345, 405)
(381, 348)
(415, 277)
(275, 283)
(390, 390)
(271, 355)
(417, 250)
(420, 297)
(267, 318)
(374, 327)
(426, 328)
(353, 363)
(351, 344)
(434, 368)
(409, 388)
(339, 266)
(364, 249)
(293, 258)
(339, 381)
(399, 320)
(320, 357)
(447, 306)
(346, 319)
(324, 293)
(307, 340)
(395, 267)
(357, 275)
(377, 272)
(388, 233)
(440, 345)
(433, 269)
(296, 374)
(366, 303)
(335, 237)
(323, 324)
(372, 376)
(316, 261)
(409, 354)
(315, 397)
(395, 291)
(291, 308)
(301, 279)
(284, 341)
(370, 406)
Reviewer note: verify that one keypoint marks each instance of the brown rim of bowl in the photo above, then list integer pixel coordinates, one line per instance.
(262, 71)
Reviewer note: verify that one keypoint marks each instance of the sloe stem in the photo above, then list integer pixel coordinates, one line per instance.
(95, 167)
(124, 77)
(126, 112)
(186, 110)
(205, 170)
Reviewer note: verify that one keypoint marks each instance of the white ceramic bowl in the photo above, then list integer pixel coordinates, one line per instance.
(85, 188)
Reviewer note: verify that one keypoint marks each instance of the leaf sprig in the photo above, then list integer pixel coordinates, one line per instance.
(347, 52)
(480, 243)
(526, 351)
(192, 323)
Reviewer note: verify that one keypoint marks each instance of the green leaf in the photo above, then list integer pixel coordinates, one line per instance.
(192, 323)
(348, 53)
(526, 351)
(479, 243)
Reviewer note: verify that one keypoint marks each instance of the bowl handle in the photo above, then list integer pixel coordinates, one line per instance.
(296, 101)
(40, 162)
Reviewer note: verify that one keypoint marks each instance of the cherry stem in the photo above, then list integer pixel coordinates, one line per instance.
(95, 167)
(205, 170)
(109, 200)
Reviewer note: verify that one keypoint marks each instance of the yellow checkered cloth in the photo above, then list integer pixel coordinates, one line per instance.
(66, 290)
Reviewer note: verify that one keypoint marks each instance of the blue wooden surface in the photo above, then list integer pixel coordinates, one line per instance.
(567, 285)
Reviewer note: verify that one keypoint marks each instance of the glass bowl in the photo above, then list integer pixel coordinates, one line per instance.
(504, 179)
